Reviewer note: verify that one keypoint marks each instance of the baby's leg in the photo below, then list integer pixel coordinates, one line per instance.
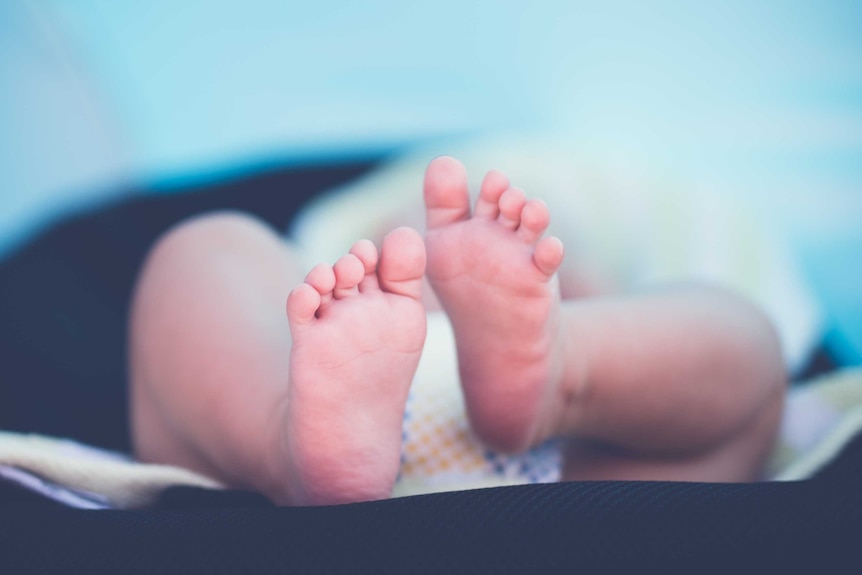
(307, 410)
(682, 383)
(679, 384)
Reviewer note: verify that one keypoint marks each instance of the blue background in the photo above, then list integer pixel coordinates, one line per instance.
(762, 100)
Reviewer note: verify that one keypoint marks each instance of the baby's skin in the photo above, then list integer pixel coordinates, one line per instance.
(358, 329)
(683, 382)
(494, 275)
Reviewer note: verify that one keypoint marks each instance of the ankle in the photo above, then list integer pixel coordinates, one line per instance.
(573, 390)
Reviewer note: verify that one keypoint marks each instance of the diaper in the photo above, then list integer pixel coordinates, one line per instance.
(439, 450)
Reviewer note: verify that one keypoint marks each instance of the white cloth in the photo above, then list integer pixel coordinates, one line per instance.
(82, 476)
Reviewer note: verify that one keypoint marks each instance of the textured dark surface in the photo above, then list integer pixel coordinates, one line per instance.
(646, 527)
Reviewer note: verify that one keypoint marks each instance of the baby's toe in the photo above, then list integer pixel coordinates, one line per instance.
(402, 263)
(493, 186)
(511, 204)
(548, 255)
(322, 279)
(366, 251)
(534, 220)
(302, 304)
(349, 271)
(447, 199)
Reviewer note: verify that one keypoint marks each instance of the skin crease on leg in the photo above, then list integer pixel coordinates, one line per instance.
(216, 369)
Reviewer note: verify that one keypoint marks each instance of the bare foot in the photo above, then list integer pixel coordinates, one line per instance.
(358, 329)
(495, 277)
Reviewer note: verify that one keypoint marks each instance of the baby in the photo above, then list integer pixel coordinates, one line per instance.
(684, 382)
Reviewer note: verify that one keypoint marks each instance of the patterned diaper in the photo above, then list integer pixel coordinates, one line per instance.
(439, 451)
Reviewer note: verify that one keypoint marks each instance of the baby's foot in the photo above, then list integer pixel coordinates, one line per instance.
(495, 278)
(358, 328)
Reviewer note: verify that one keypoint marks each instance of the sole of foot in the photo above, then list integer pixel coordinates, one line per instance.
(495, 276)
(358, 328)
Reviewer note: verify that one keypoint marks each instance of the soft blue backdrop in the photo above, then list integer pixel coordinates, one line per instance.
(761, 99)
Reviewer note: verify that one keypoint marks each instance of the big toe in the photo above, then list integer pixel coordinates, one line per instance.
(447, 198)
(402, 263)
